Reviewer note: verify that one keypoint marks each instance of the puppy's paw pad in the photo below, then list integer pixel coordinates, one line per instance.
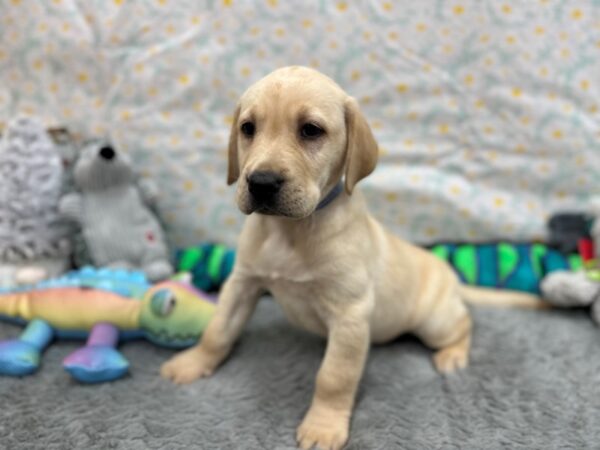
(450, 359)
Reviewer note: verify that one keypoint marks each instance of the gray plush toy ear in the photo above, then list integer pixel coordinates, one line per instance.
(233, 164)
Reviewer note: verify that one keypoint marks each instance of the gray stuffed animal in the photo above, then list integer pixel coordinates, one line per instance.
(582, 288)
(119, 229)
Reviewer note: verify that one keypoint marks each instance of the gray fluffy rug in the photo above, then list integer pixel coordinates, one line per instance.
(533, 383)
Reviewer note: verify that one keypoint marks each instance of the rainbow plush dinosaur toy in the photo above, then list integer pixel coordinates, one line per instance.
(105, 306)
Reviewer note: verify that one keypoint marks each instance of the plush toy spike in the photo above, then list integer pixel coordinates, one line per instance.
(210, 264)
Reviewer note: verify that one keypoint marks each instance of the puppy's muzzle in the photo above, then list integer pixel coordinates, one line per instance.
(264, 186)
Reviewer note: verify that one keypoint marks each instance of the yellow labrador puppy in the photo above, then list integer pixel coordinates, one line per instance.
(310, 241)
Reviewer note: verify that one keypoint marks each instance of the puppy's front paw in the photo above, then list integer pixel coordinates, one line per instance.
(323, 429)
(188, 366)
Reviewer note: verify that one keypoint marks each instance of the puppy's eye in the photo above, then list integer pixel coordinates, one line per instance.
(311, 131)
(248, 129)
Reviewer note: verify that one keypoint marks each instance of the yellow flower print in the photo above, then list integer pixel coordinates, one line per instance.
(391, 196)
(576, 14)
(431, 231)
(458, 10)
(401, 88)
(342, 6)
(560, 194)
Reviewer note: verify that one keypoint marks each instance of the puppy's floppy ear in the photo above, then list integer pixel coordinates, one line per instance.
(361, 146)
(233, 164)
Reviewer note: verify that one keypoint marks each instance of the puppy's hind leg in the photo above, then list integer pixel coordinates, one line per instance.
(450, 338)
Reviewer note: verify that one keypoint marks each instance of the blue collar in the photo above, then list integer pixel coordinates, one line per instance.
(333, 194)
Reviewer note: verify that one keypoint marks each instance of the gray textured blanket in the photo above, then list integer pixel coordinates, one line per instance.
(532, 384)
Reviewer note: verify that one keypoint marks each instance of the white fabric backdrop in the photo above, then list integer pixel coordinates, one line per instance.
(487, 112)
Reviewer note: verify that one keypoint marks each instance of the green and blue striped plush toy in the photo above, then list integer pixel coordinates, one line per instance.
(210, 264)
(499, 265)
(505, 265)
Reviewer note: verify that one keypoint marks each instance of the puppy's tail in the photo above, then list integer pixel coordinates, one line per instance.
(496, 297)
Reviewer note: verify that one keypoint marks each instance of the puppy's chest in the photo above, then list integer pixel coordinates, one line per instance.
(280, 261)
(294, 278)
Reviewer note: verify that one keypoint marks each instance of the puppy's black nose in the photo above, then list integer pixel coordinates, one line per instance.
(264, 185)
(107, 153)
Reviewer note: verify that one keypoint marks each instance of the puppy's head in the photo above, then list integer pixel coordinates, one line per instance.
(295, 133)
